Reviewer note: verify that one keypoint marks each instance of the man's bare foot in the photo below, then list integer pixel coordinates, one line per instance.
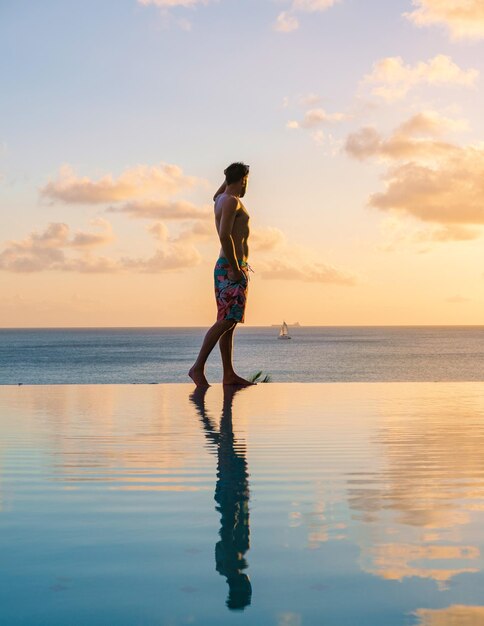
(234, 379)
(198, 377)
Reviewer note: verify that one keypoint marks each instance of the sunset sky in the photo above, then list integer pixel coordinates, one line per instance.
(361, 121)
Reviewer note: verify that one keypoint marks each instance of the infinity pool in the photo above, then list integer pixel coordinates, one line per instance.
(282, 504)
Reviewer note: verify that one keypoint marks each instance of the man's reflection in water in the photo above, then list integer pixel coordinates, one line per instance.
(232, 497)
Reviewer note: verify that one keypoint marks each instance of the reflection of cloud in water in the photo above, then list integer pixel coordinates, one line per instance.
(89, 435)
(456, 615)
(323, 522)
(1, 474)
(397, 561)
(431, 480)
(289, 619)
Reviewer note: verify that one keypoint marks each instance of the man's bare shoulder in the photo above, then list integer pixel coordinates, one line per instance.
(227, 202)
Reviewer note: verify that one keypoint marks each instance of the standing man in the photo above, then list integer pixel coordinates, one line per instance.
(231, 275)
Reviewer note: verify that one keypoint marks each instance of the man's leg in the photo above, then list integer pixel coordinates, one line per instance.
(226, 345)
(214, 333)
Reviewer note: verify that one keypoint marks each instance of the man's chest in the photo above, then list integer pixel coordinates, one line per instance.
(242, 216)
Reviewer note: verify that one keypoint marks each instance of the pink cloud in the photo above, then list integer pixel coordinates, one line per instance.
(138, 182)
(393, 79)
(287, 21)
(310, 272)
(162, 209)
(56, 249)
(463, 19)
(433, 181)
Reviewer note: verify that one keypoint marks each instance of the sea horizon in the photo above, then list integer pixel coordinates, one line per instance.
(241, 327)
(119, 355)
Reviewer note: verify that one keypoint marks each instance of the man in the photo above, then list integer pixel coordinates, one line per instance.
(231, 275)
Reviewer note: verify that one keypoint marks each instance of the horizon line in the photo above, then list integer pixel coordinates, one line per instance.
(243, 326)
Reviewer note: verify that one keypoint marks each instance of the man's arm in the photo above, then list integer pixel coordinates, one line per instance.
(220, 190)
(229, 211)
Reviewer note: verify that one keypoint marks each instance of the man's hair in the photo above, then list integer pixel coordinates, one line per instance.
(236, 172)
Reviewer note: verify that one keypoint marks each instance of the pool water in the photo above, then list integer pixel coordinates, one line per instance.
(282, 504)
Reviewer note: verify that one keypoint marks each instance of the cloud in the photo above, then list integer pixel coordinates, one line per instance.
(170, 4)
(165, 9)
(431, 123)
(309, 100)
(138, 182)
(52, 250)
(433, 182)
(196, 231)
(277, 258)
(451, 192)
(16, 259)
(464, 19)
(46, 250)
(57, 235)
(310, 272)
(173, 257)
(457, 299)
(316, 117)
(367, 143)
(400, 234)
(159, 231)
(88, 264)
(402, 144)
(90, 240)
(313, 118)
(287, 21)
(394, 79)
(465, 615)
(161, 209)
(450, 232)
(265, 239)
(311, 6)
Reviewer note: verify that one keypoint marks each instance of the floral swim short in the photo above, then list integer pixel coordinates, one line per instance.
(230, 295)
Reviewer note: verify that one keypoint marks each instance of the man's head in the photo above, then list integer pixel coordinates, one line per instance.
(236, 175)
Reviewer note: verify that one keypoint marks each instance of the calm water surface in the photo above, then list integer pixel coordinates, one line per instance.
(286, 505)
(314, 354)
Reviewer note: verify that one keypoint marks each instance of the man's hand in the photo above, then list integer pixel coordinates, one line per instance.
(220, 190)
(235, 276)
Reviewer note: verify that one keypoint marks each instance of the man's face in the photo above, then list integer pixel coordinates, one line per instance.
(244, 186)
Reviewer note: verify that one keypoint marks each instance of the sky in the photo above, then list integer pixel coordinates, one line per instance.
(361, 122)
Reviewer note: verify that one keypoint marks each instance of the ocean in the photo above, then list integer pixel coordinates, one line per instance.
(314, 354)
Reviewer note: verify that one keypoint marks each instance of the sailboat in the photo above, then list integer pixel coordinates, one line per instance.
(283, 332)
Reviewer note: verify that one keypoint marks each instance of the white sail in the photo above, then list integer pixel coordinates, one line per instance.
(283, 332)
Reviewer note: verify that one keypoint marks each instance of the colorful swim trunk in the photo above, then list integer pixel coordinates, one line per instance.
(230, 295)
